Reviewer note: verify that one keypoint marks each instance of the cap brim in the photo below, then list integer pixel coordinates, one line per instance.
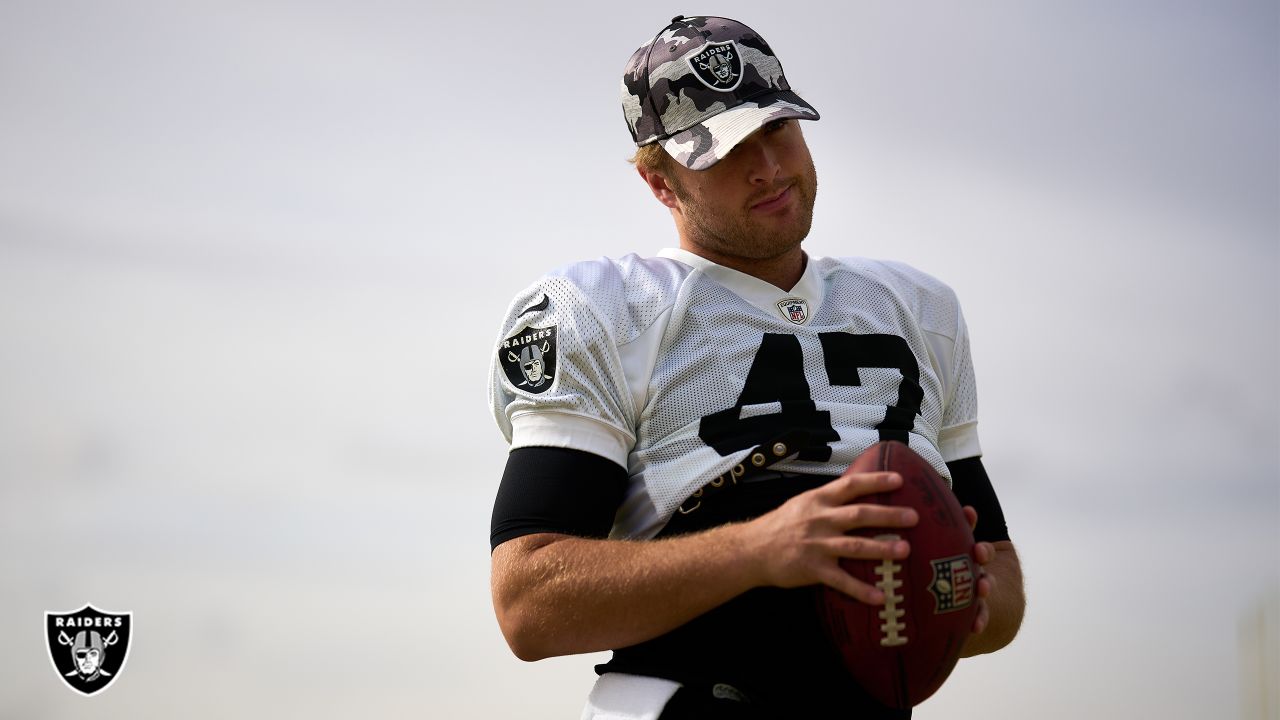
(706, 143)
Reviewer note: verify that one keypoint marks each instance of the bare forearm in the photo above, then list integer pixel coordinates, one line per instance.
(559, 595)
(1006, 603)
(574, 595)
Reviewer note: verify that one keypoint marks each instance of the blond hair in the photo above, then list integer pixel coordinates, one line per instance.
(651, 158)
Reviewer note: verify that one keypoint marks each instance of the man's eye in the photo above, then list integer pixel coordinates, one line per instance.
(776, 125)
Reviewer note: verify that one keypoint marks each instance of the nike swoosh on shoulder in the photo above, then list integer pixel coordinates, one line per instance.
(543, 304)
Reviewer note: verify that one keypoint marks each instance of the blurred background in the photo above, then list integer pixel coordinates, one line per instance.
(254, 257)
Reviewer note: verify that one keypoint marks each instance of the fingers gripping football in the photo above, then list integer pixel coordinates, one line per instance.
(983, 553)
(802, 541)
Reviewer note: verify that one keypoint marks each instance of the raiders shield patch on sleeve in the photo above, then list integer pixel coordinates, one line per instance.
(529, 359)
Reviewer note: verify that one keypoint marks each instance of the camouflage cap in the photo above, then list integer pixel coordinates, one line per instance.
(701, 86)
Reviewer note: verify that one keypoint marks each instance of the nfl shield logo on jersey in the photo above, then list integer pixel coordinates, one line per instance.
(88, 647)
(529, 359)
(795, 309)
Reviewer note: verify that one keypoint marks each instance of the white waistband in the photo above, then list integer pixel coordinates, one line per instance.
(619, 696)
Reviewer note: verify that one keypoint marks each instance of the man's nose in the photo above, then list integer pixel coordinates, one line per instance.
(764, 165)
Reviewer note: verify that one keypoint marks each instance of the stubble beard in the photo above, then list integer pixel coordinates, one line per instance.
(737, 234)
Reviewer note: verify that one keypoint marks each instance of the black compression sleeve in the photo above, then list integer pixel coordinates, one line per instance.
(971, 485)
(557, 490)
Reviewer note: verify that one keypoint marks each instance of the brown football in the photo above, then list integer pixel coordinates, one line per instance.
(903, 651)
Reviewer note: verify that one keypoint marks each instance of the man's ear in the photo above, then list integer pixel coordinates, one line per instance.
(658, 185)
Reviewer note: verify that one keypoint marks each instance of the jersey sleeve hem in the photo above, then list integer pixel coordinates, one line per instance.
(959, 442)
(567, 430)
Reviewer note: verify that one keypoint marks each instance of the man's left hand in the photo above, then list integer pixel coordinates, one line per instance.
(1001, 601)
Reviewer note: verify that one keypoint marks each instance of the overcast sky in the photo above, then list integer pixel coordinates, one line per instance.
(254, 256)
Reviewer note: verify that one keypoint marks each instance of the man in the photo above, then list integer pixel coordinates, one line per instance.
(89, 650)
(629, 516)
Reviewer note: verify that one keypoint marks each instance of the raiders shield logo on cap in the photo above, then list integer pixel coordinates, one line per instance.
(718, 65)
(88, 647)
(529, 359)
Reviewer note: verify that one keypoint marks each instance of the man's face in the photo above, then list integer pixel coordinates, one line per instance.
(87, 660)
(531, 363)
(757, 202)
(533, 370)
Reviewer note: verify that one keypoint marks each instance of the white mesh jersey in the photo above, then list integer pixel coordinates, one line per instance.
(675, 367)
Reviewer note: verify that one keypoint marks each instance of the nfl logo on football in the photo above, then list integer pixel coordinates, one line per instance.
(88, 647)
(953, 583)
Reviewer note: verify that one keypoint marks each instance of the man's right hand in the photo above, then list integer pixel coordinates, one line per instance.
(559, 595)
(802, 541)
